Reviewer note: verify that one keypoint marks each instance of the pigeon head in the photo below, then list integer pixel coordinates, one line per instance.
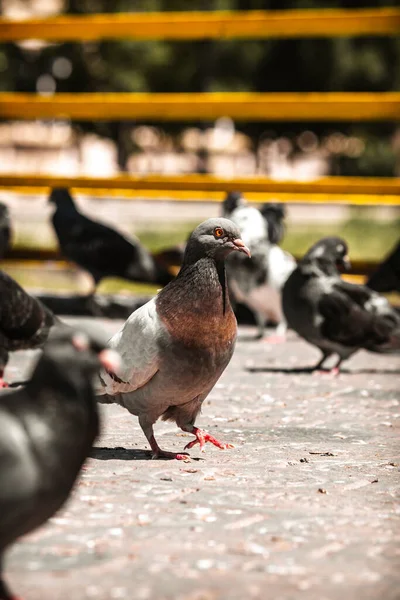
(214, 238)
(85, 347)
(232, 201)
(330, 253)
(61, 198)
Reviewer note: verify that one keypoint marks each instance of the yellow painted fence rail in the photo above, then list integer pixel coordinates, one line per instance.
(383, 191)
(206, 25)
(248, 106)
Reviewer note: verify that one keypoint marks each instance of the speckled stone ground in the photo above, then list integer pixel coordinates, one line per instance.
(305, 505)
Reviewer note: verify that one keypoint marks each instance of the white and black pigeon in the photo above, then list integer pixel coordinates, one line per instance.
(99, 249)
(337, 317)
(46, 432)
(257, 281)
(24, 321)
(387, 276)
(5, 230)
(175, 348)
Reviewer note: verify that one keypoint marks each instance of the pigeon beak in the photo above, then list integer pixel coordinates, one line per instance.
(240, 246)
(110, 360)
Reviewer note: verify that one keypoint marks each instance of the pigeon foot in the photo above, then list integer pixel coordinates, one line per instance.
(157, 453)
(202, 437)
(3, 384)
(164, 454)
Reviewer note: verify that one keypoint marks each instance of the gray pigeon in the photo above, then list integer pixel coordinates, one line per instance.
(46, 432)
(336, 316)
(24, 321)
(257, 281)
(175, 347)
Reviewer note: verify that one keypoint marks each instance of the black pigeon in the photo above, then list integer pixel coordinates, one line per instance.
(98, 249)
(5, 230)
(336, 316)
(387, 277)
(175, 348)
(24, 321)
(46, 432)
(274, 214)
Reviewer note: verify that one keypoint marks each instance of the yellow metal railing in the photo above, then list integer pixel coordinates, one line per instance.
(365, 191)
(249, 106)
(312, 106)
(207, 25)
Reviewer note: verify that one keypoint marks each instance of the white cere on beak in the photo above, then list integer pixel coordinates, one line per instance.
(110, 359)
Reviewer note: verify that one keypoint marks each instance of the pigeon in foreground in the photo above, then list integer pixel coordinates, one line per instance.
(24, 321)
(46, 432)
(99, 249)
(257, 281)
(175, 347)
(387, 277)
(336, 316)
(5, 230)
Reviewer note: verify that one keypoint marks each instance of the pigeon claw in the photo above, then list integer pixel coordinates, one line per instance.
(202, 437)
(3, 384)
(164, 454)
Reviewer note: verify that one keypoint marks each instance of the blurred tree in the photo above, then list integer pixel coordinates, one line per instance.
(356, 64)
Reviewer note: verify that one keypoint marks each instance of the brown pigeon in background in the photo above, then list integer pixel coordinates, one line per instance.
(175, 348)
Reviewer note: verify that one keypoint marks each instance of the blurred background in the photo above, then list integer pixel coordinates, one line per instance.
(280, 150)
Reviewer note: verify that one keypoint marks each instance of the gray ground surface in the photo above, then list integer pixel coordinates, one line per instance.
(304, 506)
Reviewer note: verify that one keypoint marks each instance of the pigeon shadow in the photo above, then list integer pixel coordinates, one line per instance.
(119, 453)
(311, 370)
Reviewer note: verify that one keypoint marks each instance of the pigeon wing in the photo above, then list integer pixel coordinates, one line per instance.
(356, 317)
(138, 345)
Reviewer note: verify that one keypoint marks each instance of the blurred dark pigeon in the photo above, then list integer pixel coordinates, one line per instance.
(46, 432)
(387, 277)
(175, 348)
(257, 281)
(24, 321)
(336, 316)
(274, 213)
(99, 249)
(5, 230)
(232, 200)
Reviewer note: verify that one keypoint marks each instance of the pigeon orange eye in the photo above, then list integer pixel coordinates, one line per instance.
(218, 232)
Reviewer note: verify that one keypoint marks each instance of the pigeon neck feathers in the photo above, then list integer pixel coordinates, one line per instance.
(201, 285)
(195, 306)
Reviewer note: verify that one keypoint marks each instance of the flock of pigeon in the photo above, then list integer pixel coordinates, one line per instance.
(170, 352)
